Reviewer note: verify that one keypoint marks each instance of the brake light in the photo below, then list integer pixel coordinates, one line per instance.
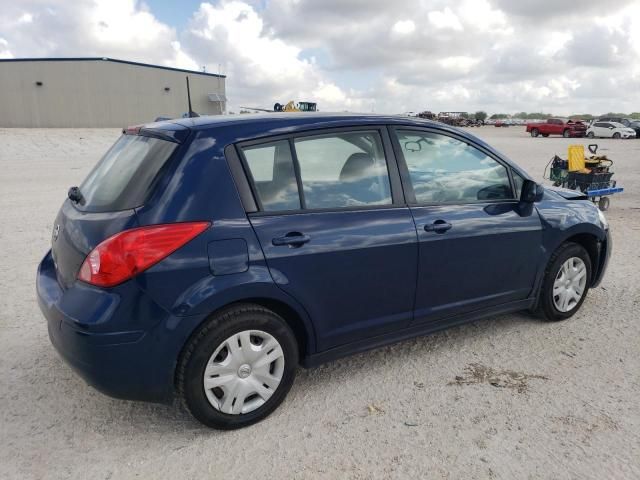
(128, 253)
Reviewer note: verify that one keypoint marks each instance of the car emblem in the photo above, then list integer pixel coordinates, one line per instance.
(56, 232)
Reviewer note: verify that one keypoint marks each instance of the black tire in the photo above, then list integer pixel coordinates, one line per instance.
(590, 135)
(545, 135)
(200, 347)
(535, 132)
(566, 133)
(603, 204)
(546, 307)
(617, 135)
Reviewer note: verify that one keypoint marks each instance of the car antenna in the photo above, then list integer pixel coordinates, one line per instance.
(191, 112)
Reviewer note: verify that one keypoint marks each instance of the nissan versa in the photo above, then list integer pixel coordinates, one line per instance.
(207, 258)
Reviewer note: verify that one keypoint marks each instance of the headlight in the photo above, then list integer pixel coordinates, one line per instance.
(603, 219)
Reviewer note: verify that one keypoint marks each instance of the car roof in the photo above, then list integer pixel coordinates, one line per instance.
(236, 128)
(313, 119)
(246, 126)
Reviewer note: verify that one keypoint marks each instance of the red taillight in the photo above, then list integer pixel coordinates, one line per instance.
(128, 253)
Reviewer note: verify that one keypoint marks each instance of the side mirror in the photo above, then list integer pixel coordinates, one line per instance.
(531, 192)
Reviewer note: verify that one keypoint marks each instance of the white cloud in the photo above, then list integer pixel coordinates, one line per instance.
(445, 19)
(4, 49)
(360, 54)
(404, 27)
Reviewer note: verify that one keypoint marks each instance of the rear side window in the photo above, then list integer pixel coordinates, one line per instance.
(274, 178)
(122, 179)
(336, 171)
(343, 170)
(443, 169)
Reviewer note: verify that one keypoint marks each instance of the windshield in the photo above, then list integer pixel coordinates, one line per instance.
(122, 179)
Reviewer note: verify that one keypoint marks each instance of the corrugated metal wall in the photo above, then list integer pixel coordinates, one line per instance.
(98, 93)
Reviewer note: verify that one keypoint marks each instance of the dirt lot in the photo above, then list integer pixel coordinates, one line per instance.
(508, 397)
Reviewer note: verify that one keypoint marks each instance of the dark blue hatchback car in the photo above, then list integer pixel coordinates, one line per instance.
(207, 258)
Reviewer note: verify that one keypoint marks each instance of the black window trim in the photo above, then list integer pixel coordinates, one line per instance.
(395, 182)
(406, 179)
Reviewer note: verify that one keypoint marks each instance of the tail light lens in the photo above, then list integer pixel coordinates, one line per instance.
(128, 253)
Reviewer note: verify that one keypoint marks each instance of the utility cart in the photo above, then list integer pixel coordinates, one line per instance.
(591, 176)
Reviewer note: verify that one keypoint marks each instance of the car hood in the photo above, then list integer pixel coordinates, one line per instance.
(568, 194)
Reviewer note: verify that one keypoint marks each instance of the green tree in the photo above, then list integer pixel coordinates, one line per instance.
(480, 115)
(499, 116)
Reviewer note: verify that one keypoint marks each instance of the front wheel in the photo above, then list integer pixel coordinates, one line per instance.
(566, 133)
(617, 135)
(238, 367)
(566, 282)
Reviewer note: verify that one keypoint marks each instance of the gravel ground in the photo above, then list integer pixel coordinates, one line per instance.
(508, 397)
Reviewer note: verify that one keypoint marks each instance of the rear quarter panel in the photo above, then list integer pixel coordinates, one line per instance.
(201, 187)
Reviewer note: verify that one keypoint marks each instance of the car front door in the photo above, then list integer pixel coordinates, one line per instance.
(477, 247)
(335, 231)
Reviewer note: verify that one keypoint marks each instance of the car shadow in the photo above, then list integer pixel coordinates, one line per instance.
(110, 415)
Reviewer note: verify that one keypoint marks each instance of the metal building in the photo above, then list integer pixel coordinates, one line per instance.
(101, 92)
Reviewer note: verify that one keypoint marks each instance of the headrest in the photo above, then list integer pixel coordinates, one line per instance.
(356, 167)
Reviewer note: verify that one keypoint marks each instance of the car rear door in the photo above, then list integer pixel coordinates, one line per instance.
(334, 229)
(477, 248)
(603, 129)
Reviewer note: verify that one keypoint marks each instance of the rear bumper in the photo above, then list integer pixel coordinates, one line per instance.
(85, 327)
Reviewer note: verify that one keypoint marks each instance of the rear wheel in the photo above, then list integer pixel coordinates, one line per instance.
(566, 282)
(238, 368)
(590, 135)
(545, 135)
(616, 135)
(535, 132)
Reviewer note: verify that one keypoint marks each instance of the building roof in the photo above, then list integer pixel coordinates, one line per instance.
(106, 59)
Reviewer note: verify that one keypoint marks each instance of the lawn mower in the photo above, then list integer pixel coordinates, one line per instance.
(591, 176)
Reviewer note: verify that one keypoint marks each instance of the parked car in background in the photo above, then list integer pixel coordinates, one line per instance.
(624, 121)
(502, 123)
(207, 258)
(557, 126)
(610, 130)
(636, 127)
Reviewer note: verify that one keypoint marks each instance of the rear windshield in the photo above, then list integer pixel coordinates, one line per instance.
(122, 179)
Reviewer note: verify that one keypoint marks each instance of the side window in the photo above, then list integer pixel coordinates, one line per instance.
(445, 170)
(271, 166)
(343, 170)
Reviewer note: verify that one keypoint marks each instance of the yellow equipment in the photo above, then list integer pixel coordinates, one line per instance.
(293, 107)
(576, 158)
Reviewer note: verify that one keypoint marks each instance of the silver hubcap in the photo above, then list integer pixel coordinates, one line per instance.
(569, 285)
(243, 372)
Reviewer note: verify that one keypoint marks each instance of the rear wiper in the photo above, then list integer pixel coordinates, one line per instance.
(75, 195)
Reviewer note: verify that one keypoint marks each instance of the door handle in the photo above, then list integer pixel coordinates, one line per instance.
(439, 226)
(291, 239)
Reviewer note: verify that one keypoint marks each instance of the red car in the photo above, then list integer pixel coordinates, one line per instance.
(557, 126)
